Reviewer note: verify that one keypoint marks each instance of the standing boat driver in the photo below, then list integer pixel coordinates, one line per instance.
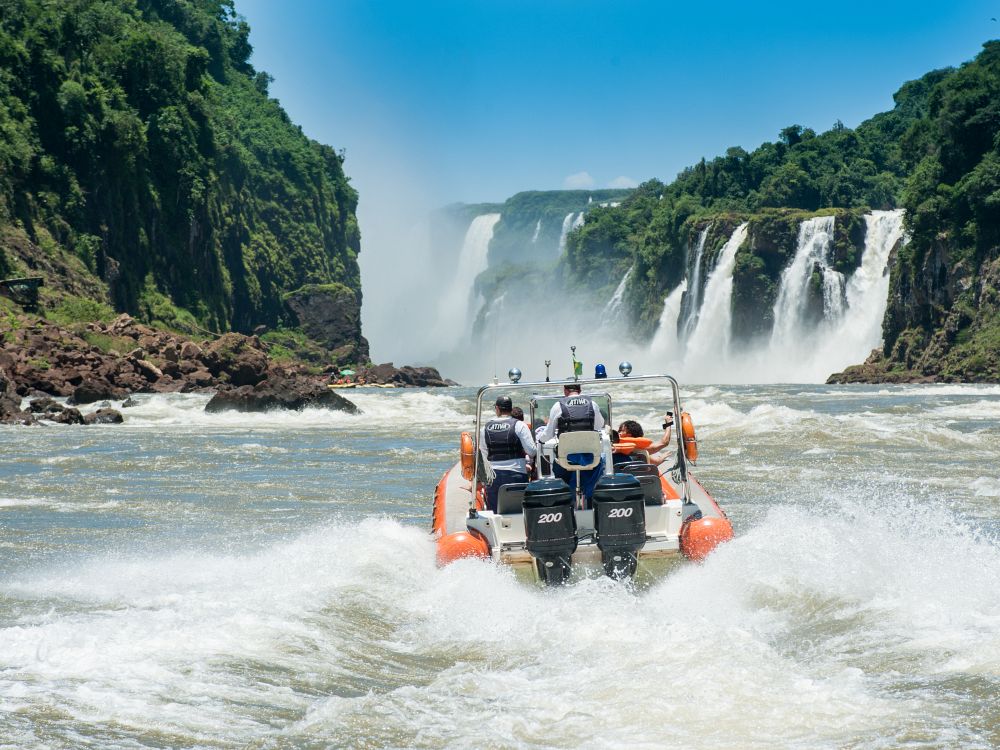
(506, 441)
(572, 413)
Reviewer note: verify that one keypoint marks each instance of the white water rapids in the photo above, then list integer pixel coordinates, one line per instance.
(231, 581)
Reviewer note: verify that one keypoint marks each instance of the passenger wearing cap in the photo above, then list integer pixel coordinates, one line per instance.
(571, 413)
(506, 442)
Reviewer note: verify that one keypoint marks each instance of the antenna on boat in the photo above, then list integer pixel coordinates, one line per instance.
(496, 380)
(577, 366)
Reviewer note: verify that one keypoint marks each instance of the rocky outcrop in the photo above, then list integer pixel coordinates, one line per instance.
(235, 359)
(10, 403)
(280, 391)
(876, 369)
(46, 409)
(331, 315)
(406, 376)
(95, 362)
(108, 361)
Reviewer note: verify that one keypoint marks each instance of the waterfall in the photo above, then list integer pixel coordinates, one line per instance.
(802, 347)
(612, 310)
(665, 343)
(694, 297)
(801, 350)
(710, 341)
(458, 307)
(572, 221)
(858, 328)
(567, 225)
(868, 289)
(538, 228)
(815, 240)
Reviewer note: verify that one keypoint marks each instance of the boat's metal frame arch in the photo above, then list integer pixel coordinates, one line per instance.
(506, 388)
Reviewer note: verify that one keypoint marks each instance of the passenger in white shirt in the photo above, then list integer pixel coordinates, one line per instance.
(506, 443)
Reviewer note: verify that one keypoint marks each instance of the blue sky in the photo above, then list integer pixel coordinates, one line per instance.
(436, 102)
(474, 101)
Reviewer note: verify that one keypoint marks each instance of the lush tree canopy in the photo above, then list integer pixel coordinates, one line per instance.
(137, 134)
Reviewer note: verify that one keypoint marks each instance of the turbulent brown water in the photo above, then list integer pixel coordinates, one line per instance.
(192, 580)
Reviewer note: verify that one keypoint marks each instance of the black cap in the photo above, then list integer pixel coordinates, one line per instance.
(504, 403)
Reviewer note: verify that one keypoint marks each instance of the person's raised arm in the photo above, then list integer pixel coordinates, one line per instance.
(660, 444)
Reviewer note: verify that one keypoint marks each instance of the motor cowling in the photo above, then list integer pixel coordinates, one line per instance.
(550, 528)
(620, 522)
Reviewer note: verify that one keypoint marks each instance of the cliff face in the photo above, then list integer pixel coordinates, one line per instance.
(141, 151)
(943, 317)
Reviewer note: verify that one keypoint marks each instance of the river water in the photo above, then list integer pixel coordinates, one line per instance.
(218, 581)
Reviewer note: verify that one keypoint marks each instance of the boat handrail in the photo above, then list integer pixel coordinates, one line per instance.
(603, 382)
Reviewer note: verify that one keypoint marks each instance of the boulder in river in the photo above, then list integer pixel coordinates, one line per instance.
(104, 416)
(280, 392)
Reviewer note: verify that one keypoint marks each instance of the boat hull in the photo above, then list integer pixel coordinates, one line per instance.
(673, 528)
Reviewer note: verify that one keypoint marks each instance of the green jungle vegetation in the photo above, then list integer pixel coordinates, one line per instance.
(936, 154)
(139, 146)
(514, 239)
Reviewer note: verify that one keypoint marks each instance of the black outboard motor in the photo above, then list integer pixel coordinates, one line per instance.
(550, 528)
(620, 521)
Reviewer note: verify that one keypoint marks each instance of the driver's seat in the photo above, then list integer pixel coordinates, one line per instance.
(578, 452)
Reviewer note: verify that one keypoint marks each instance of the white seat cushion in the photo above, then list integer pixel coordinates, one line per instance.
(585, 442)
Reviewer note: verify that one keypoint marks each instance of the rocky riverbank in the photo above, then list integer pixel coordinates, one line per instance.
(96, 362)
(876, 369)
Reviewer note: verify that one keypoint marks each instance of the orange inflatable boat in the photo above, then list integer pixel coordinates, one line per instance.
(636, 511)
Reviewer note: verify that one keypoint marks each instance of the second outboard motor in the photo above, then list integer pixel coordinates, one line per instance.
(620, 522)
(550, 528)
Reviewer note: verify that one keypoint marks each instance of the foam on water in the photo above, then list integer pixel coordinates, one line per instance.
(377, 409)
(298, 640)
(856, 607)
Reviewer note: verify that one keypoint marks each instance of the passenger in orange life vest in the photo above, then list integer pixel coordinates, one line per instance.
(571, 413)
(632, 429)
(506, 442)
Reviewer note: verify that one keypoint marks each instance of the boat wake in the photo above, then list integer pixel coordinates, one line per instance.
(828, 625)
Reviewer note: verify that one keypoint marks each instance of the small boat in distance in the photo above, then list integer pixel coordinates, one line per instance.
(638, 512)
